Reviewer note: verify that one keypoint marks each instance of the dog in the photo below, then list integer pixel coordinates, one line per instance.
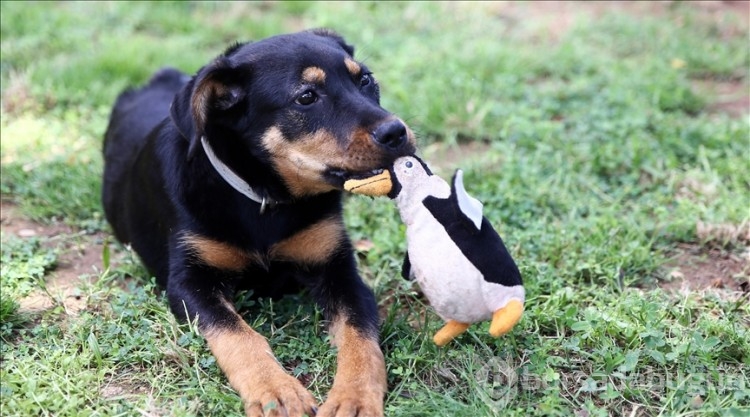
(232, 180)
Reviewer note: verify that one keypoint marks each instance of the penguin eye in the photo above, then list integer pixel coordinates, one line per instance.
(409, 164)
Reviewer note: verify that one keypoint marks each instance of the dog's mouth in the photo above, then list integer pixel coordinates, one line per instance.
(338, 177)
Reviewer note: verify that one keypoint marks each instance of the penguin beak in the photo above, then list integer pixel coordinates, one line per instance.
(377, 185)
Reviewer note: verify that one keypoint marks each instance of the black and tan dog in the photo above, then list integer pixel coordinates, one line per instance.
(237, 186)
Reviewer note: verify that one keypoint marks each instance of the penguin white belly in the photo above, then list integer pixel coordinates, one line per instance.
(452, 283)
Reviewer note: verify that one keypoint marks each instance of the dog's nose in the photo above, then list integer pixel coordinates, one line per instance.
(391, 134)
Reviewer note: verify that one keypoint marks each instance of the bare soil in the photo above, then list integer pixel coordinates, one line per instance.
(696, 268)
(79, 260)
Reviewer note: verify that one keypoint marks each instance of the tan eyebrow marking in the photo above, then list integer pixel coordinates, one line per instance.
(352, 66)
(313, 75)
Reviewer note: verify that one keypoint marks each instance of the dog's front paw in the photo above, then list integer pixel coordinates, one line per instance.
(266, 390)
(360, 383)
(280, 396)
(352, 401)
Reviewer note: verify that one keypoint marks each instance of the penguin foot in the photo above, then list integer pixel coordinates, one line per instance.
(449, 332)
(505, 318)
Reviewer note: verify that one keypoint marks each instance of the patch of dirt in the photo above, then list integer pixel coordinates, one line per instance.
(79, 260)
(723, 234)
(118, 387)
(16, 96)
(12, 222)
(728, 97)
(695, 268)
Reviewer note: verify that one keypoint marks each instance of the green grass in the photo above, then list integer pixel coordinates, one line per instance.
(598, 157)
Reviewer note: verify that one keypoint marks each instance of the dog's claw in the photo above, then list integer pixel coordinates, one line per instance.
(288, 399)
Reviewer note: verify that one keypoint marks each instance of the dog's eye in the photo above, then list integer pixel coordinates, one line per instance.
(307, 98)
(365, 80)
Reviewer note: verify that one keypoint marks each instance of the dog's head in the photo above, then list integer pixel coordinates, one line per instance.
(292, 110)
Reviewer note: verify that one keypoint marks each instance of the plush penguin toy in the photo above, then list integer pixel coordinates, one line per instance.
(458, 259)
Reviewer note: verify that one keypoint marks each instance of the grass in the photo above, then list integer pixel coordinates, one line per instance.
(598, 156)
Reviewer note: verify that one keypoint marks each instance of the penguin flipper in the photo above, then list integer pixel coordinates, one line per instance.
(468, 205)
(406, 272)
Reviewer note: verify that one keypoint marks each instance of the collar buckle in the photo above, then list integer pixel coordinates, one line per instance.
(266, 203)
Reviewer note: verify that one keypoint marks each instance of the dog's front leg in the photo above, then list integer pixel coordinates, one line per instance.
(265, 389)
(244, 355)
(360, 385)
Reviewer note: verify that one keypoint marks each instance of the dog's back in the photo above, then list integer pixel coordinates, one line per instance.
(136, 113)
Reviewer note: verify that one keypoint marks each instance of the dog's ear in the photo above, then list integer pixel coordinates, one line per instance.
(330, 33)
(217, 87)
